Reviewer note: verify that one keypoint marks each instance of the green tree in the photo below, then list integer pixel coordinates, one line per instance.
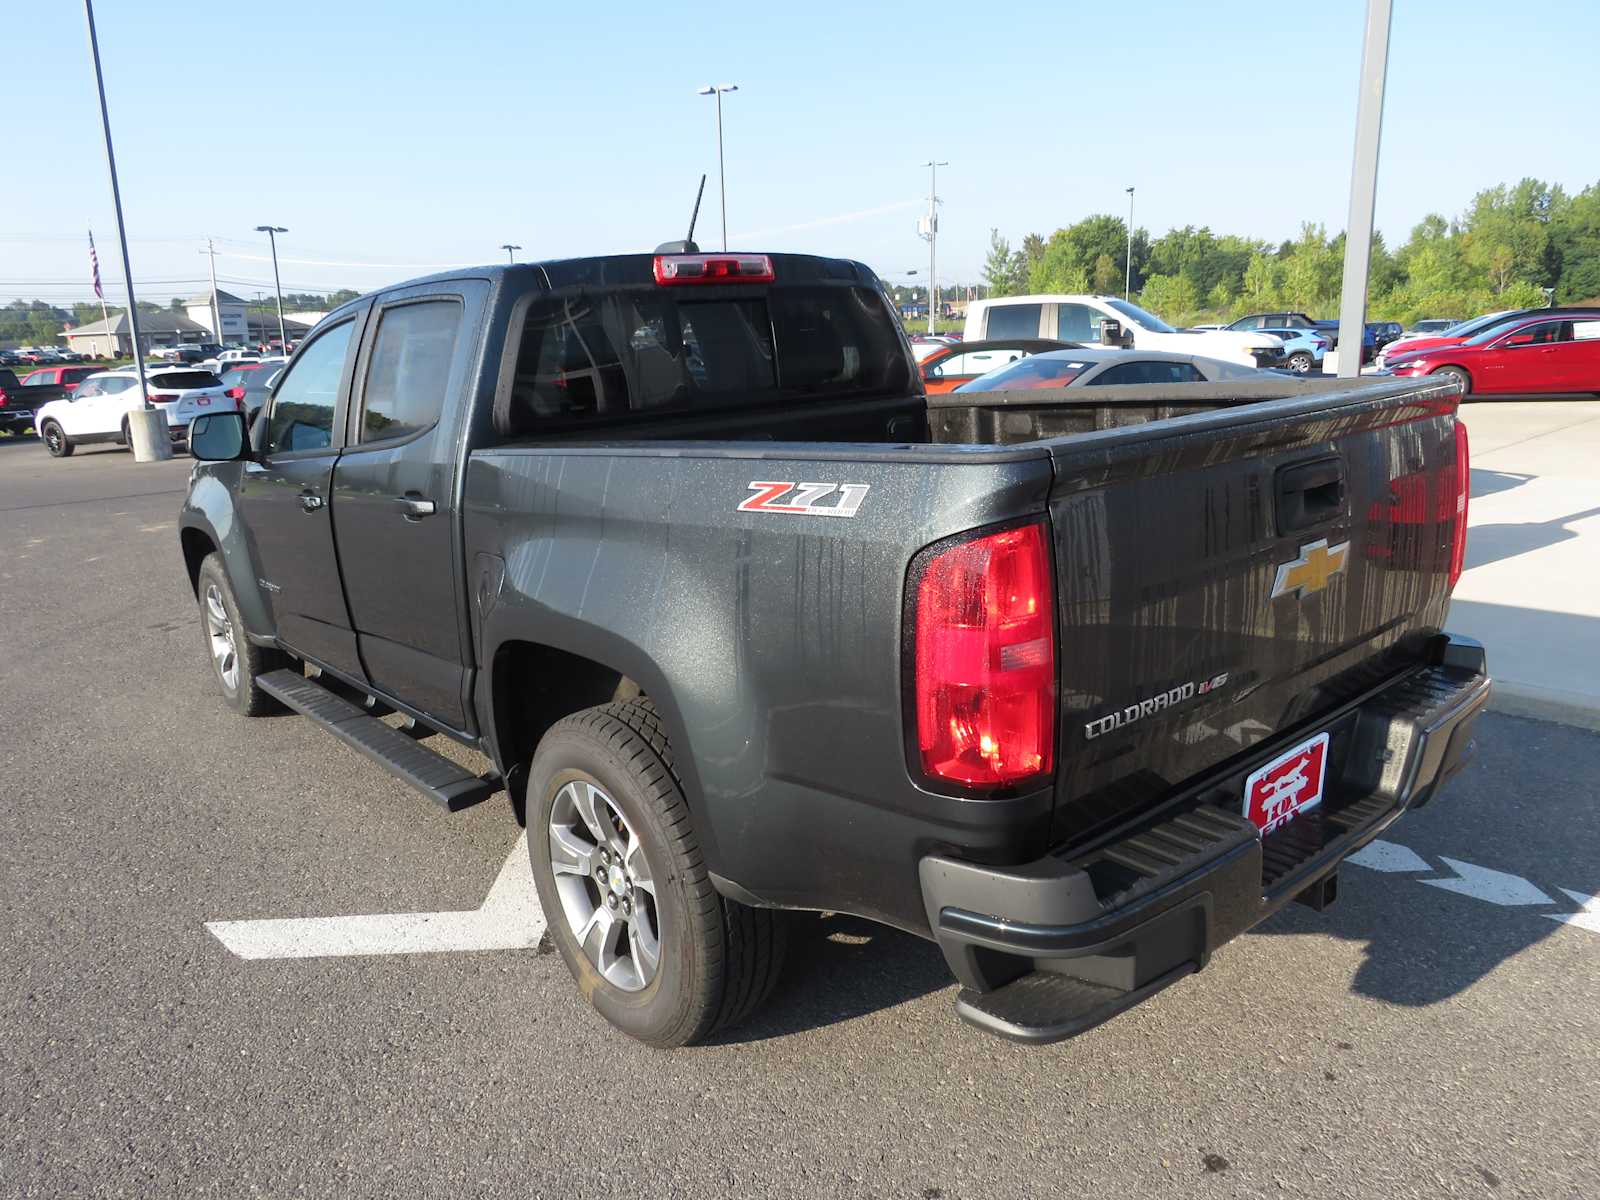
(1171, 297)
(1105, 278)
(1003, 270)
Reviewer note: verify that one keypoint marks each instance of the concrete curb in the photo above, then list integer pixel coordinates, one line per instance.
(1545, 704)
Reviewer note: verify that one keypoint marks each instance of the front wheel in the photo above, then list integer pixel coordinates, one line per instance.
(1300, 362)
(629, 901)
(56, 441)
(1459, 376)
(236, 663)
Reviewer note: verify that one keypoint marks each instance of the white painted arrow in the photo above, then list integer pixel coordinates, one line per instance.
(1494, 887)
(1587, 918)
(1389, 857)
(509, 919)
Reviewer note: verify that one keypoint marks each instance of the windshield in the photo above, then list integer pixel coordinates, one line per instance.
(1041, 371)
(1140, 317)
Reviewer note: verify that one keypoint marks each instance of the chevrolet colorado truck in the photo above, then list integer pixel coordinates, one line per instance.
(1079, 685)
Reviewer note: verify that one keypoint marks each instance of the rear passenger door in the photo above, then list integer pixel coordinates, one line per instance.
(395, 498)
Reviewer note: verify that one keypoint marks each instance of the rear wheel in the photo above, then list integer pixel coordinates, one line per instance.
(630, 904)
(127, 437)
(1459, 376)
(55, 441)
(1300, 362)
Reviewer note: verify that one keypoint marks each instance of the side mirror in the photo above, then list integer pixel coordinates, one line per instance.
(1110, 332)
(218, 437)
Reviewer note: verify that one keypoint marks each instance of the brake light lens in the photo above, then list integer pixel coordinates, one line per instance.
(713, 268)
(985, 663)
(1463, 478)
(235, 393)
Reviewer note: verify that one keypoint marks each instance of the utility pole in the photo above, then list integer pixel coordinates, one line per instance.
(1127, 275)
(511, 252)
(717, 89)
(272, 232)
(1363, 188)
(216, 305)
(930, 230)
(146, 426)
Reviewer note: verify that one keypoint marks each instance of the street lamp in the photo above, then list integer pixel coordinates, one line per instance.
(717, 89)
(272, 232)
(1127, 278)
(929, 229)
(153, 442)
(511, 251)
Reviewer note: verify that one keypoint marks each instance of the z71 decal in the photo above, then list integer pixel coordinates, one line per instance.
(801, 499)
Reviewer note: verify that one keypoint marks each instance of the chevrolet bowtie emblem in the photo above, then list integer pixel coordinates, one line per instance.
(1318, 563)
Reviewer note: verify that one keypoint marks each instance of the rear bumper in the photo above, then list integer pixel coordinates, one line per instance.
(1052, 948)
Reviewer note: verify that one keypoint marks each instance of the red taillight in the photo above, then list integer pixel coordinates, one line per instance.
(1463, 476)
(3, 397)
(985, 667)
(235, 393)
(713, 268)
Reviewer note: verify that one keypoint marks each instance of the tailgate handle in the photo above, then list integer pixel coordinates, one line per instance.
(1309, 493)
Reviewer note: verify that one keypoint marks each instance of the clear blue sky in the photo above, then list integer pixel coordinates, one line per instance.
(409, 134)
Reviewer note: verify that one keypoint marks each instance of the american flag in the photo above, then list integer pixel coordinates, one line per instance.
(94, 268)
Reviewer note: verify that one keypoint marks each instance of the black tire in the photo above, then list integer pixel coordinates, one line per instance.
(1300, 362)
(56, 441)
(251, 661)
(719, 959)
(1458, 374)
(127, 437)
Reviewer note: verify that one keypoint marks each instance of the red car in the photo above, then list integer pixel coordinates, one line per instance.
(948, 367)
(67, 377)
(1530, 355)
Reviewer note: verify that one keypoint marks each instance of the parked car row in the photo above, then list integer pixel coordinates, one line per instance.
(1542, 351)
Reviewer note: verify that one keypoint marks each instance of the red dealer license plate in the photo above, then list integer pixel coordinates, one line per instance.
(1287, 786)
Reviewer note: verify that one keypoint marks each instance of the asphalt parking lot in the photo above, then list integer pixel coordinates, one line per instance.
(1434, 1034)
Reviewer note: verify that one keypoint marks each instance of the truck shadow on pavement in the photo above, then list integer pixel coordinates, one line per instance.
(1494, 542)
(1521, 825)
(842, 967)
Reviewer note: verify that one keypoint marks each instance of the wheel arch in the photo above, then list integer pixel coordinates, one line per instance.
(529, 683)
(1453, 367)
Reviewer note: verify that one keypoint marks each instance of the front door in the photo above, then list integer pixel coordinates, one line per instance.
(284, 499)
(394, 500)
(1529, 359)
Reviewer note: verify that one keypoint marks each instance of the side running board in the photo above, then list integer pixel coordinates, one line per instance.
(446, 783)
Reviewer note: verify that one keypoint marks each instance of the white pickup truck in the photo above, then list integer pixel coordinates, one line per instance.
(1084, 318)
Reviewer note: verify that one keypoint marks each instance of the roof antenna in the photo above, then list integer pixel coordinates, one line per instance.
(687, 246)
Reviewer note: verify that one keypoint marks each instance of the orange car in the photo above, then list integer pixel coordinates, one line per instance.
(948, 367)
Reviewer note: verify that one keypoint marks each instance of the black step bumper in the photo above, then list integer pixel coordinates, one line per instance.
(1054, 947)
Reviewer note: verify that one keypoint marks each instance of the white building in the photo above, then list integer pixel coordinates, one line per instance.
(230, 308)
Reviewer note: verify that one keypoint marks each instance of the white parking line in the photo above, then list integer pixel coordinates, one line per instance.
(1500, 888)
(508, 919)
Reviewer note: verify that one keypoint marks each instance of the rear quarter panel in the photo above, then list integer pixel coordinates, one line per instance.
(771, 643)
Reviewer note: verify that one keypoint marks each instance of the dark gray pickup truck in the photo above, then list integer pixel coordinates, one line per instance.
(1078, 683)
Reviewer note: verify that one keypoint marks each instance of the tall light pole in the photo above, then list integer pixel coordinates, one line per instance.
(216, 305)
(116, 201)
(272, 232)
(511, 251)
(716, 89)
(930, 230)
(1363, 188)
(1127, 275)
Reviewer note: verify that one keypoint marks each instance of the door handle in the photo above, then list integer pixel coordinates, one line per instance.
(1309, 494)
(415, 507)
(310, 501)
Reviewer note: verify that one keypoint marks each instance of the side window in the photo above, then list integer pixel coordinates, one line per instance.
(1077, 323)
(1249, 323)
(1149, 372)
(409, 368)
(85, 390)
(116, 384)
(1585, 331)
(1013, 321)
(979, 362)
(303, 408)
(1540, 335)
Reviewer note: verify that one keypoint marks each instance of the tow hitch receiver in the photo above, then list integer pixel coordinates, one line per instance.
(1321, 894)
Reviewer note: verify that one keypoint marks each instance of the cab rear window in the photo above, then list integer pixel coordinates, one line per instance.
(588, 362)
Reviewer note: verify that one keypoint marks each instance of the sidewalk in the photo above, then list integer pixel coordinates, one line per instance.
(1531, 591)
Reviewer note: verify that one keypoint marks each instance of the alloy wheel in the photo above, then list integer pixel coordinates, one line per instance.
(608, 894)
(224, 651)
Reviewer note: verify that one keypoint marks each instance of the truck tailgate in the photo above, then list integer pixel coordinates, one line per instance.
(1233, 575)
